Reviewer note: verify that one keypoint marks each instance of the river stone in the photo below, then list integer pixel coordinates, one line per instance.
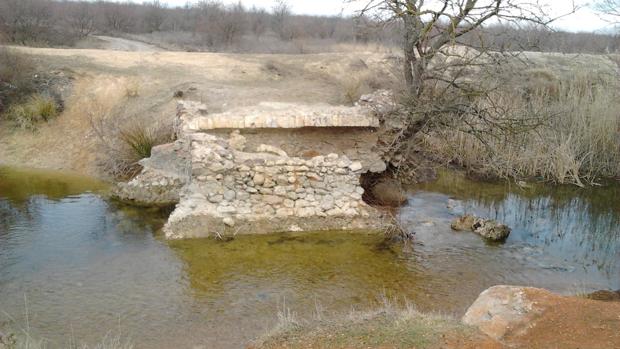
(491, 230)
(463, 223)
(216, 198)
(356, 166)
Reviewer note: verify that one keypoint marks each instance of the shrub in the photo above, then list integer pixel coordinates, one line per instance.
(140, 141)
(16, 77)
(129, 145)
(35, 110)
(576, 140)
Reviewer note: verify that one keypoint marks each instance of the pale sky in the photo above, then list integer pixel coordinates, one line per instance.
(583, 20)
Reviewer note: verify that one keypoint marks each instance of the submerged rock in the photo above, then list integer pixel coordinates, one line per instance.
(487, 228)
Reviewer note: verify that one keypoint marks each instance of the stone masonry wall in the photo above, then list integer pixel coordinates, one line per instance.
(237, 192)
(225, 187)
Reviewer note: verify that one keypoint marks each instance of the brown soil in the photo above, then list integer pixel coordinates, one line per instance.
(570, 323)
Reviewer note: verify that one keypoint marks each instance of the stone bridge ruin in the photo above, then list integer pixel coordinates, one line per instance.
(269, 168)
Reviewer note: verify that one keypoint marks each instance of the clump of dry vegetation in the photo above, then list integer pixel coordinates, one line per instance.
(570, 130)
(16, 72)
(37, 109)
(388, 326)
(126, 145)
(19, 101)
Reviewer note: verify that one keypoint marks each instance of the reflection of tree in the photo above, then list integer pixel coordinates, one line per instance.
(579, 225)
(8, 215)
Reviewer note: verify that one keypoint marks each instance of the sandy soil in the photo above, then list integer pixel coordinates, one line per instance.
(105, 80)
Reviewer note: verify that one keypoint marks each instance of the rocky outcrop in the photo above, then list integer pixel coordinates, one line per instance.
(487, 228)
(264, 169)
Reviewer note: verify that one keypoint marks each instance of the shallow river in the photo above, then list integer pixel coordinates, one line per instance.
(75, 267)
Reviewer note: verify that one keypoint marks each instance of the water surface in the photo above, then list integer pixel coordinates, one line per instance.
(80, 266)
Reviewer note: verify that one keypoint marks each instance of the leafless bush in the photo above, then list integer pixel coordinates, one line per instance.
(125, 142)
(16, 77)
(576, 138)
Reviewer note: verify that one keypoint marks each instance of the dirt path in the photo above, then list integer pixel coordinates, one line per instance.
(120, 44)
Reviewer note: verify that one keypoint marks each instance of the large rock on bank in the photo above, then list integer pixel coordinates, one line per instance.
(525, 317)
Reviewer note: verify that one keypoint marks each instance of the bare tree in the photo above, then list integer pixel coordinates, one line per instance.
(154, 16)
(25, 20)
(430, 26)
(81, 18)
(259, 21)
(609, 8)
(116, 16)
(281, 13)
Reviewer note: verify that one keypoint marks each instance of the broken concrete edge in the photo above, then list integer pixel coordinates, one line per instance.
(220, 188)
(275, 115)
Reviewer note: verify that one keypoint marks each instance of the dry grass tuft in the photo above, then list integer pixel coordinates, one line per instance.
(389, 325)
(35, 110)
(577, 141)
(132, 89)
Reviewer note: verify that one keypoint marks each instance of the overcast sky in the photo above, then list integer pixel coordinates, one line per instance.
(584, 20)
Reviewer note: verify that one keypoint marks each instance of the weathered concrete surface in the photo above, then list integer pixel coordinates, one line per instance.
(163, 176)
(247, 172)
(281, 115)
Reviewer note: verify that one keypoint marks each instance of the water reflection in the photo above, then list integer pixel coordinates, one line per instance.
(570, 232)
(86, 265)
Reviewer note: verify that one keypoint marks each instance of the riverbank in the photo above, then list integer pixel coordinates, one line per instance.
(502, 317)
(386, 327)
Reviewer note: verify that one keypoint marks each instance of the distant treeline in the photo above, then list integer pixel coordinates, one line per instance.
(212, 25)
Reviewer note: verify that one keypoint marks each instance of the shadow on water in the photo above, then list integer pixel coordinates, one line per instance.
(85, 264)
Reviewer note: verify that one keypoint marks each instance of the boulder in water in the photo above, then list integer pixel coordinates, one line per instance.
(487, 228)
(491, 230)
